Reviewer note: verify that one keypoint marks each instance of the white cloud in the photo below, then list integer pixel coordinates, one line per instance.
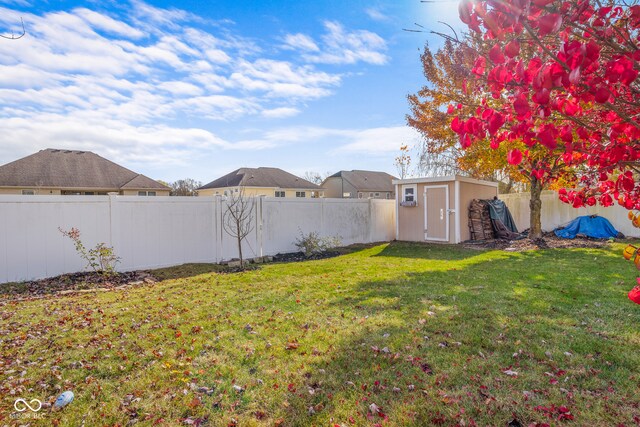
(154, 144)
(147, 16)
(300, 41)
(350, 47)
(22, 76)
(280, 113)
(340, 46)
(181, 88)
(217, 56)
(108, 24)
(381, 140)
(218, 107)
(282, 79)
(283, 136)
(23, 3)
(376, 14)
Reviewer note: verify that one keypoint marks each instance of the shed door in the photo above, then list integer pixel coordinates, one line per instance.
(436, 213)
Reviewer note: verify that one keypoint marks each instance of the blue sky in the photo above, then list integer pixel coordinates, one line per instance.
(197, 89)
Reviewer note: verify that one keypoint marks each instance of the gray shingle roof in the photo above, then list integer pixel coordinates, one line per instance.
(367, 180)
(72, 169)
(261, 177)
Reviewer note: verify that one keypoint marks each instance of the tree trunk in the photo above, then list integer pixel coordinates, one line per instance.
(509, 186)
(239, 244)
(535, 208)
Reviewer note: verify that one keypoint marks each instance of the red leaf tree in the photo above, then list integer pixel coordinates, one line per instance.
(566, 76)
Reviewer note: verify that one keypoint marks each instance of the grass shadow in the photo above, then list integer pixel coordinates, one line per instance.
(432, 347)
(185, 271)
(430, 251)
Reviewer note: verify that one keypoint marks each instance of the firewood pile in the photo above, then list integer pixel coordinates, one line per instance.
(480, 225)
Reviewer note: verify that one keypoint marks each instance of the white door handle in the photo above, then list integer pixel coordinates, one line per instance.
(441, 214)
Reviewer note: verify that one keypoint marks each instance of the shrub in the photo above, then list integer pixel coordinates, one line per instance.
(312, 243)
(101, 258)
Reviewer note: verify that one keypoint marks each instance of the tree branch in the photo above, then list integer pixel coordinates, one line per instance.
(13, 36)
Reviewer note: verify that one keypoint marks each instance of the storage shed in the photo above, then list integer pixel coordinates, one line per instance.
(437, 209)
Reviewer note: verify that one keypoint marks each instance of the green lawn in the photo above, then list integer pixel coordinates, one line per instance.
(424, 333)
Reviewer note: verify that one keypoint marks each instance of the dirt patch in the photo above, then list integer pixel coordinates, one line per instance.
(75, 283)
(548, 241)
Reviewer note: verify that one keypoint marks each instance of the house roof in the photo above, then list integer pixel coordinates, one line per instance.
(367, 180)
(72, 169)
(260, 177)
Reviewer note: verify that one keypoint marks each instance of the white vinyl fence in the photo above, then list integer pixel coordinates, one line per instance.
(153, 232)
(555, 213)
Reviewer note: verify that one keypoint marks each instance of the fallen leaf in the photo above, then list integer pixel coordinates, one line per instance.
(510, 372)
(426, 369)
(292, 345)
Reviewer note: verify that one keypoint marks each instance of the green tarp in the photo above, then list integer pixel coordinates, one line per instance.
(500, 212)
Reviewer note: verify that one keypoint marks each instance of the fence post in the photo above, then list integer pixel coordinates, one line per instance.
(371, 224)
(260, 225)
(217, 227)
(112, 198)
(322, 230)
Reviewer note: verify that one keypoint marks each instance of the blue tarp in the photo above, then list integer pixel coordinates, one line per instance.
(590, 226)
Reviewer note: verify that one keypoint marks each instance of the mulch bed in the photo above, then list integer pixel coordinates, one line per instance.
(74, 283)
(95, 282)
(548, 241)
(300, 256)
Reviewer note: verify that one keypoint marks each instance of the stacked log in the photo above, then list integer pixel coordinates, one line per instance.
(480, 225)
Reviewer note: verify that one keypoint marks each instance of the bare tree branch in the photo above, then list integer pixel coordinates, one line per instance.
(237, 220)
(443, 35)
(13, 36)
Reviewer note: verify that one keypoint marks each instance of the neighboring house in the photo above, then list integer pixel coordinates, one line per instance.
(359, 184)
(73, 172)
(272, 182)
